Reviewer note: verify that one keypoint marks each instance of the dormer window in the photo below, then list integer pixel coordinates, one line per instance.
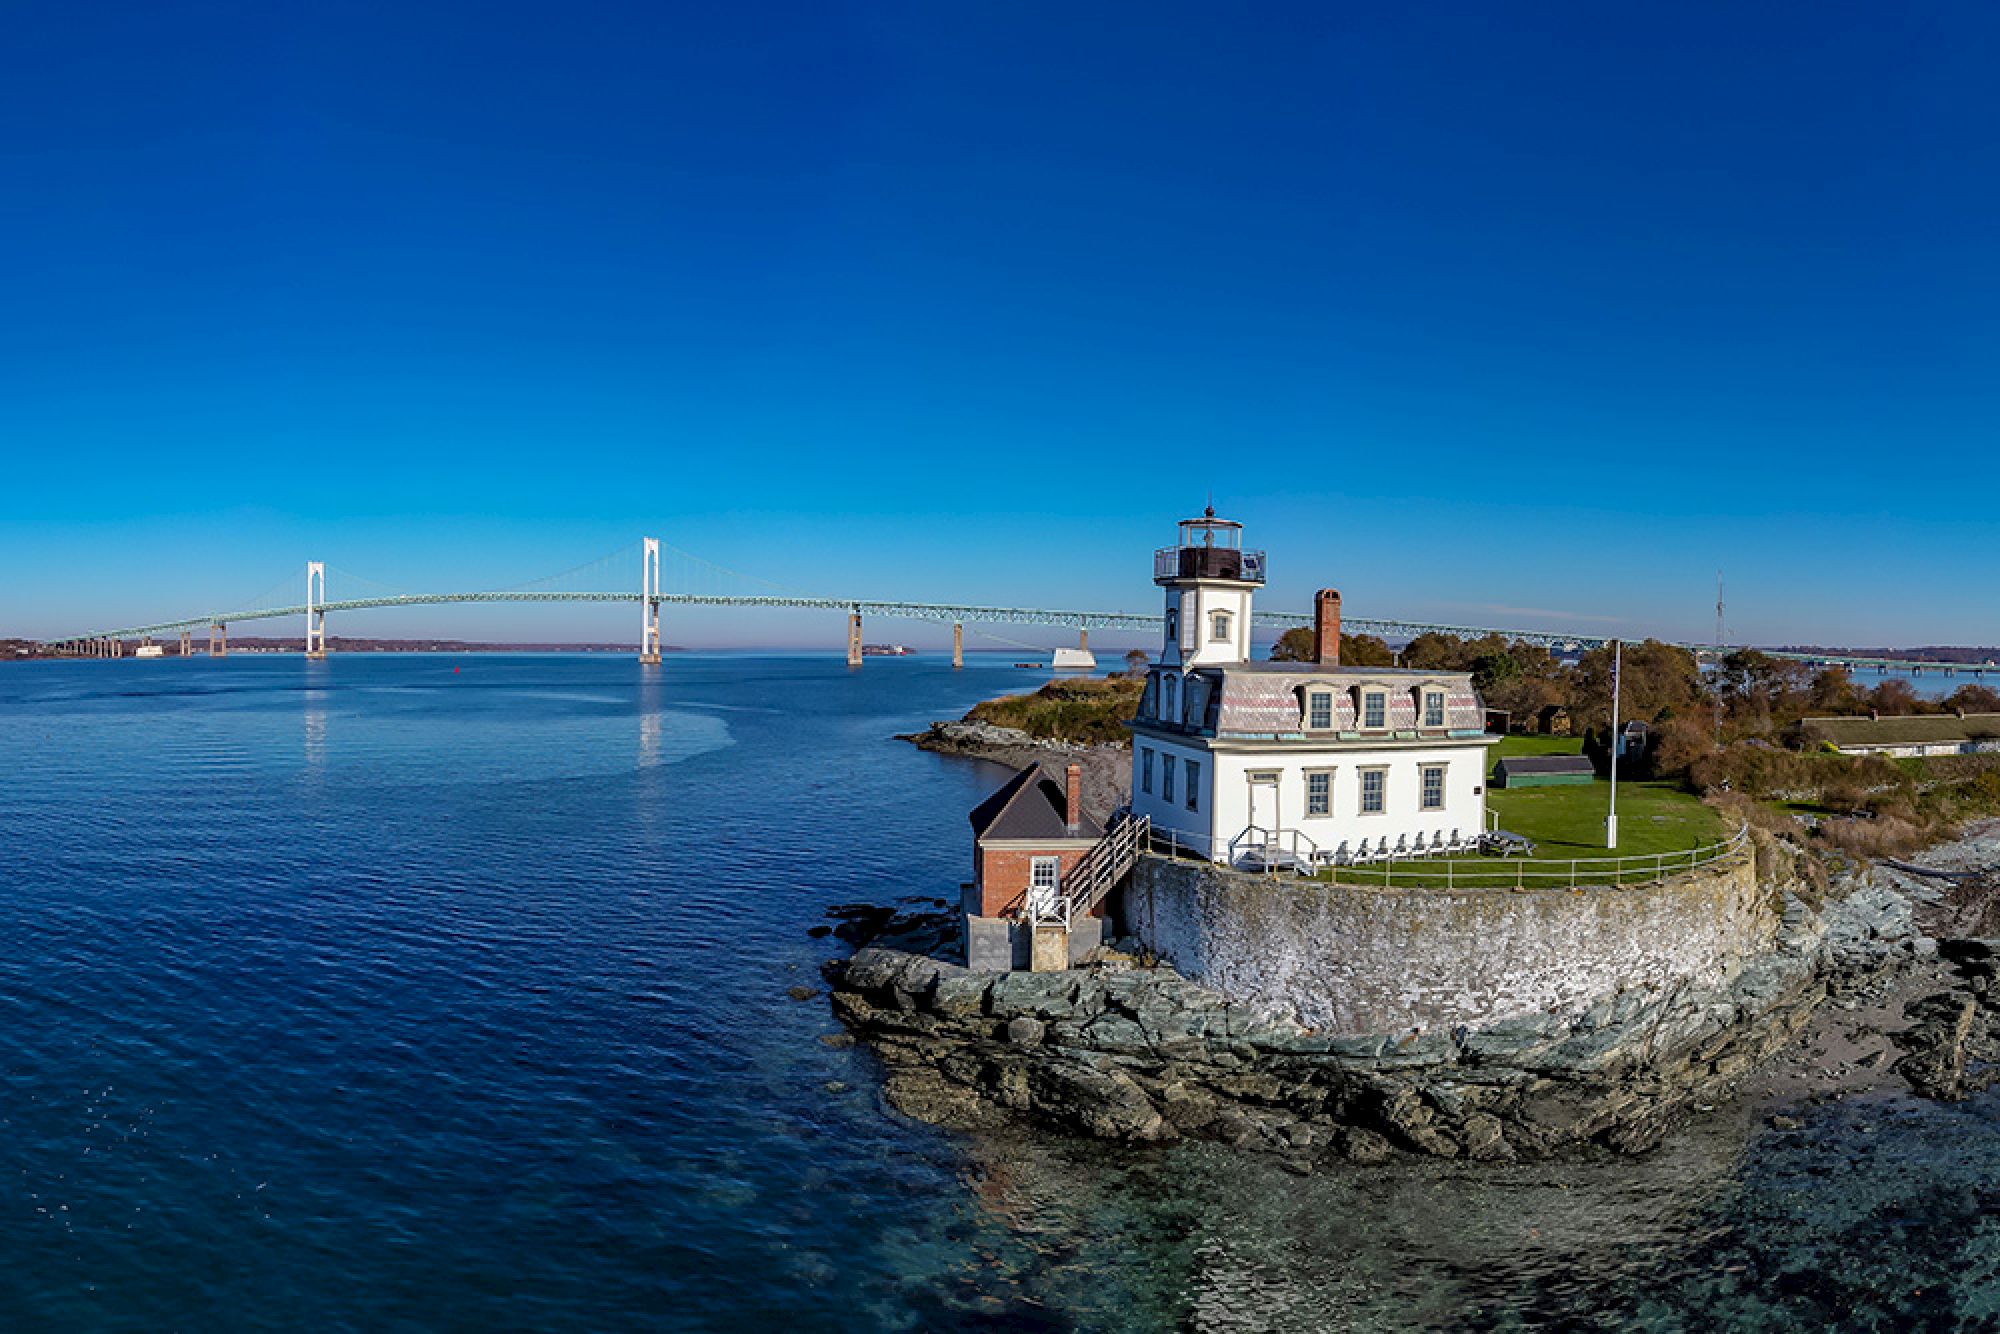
(1374, 710)
(1170, 704)
(1219, 626)
(1319, 710)
(1434, 708)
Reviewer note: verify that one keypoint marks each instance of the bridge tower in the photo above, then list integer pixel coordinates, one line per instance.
(315, 609)
(649, 593)
(854, 638)
(218, 640)
(957, 645)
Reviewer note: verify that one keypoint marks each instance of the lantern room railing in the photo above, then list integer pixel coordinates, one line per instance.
(1208, 563)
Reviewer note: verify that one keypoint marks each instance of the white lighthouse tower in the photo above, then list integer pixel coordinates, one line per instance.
(1209, 580)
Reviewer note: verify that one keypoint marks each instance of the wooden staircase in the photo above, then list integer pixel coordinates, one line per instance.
(1087, 883)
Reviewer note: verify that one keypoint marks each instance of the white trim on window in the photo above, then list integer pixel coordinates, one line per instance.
(1374, 791)
(1319, 710)
(1432, 798)
(1319, 792)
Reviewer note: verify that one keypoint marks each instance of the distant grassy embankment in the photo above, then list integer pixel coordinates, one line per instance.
(1084, 710)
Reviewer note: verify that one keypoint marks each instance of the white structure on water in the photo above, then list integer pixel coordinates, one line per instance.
(1246, 761)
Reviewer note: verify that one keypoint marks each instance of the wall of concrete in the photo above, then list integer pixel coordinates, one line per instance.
(1003, 944)
(1352, 960)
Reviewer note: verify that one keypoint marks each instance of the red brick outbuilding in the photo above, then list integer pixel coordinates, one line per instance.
(1026, 837)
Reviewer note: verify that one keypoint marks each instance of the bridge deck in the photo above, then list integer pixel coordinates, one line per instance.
(948, 613)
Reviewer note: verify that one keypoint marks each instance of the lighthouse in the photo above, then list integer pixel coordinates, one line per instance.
(1300, 764)
(1209, 581)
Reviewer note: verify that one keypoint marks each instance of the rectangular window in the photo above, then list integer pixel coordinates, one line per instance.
(1193, 785)
(1433, 787)
(1219, 626)
(1374, 790)
(1167, 777)
(1374, 710)
(1434, 708)
(1044, 873)
(1319, 710)
(1145, 769)
(1319, 794)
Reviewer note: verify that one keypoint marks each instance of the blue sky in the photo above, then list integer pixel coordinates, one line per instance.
(1479, 313)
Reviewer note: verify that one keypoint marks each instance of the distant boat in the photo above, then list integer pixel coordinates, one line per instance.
(886, 651)
(1075, 660)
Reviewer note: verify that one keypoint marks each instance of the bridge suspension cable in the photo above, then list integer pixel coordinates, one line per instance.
(598, 564)
(691, 570)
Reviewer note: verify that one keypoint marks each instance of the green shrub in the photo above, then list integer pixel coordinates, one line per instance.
(1086, 710)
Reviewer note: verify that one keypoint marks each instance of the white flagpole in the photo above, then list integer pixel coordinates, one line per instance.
(1617, 670)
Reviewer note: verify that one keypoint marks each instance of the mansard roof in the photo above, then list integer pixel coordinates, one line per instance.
(1268, 700)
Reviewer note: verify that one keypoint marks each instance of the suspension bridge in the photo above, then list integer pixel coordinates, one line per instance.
(652, 597)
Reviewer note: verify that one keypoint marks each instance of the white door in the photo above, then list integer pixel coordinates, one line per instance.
(1044, 874)
(1264, 801)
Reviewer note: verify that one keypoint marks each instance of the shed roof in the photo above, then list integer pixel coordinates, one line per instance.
(1548, 764)
(1923, 729)
(1031, 807)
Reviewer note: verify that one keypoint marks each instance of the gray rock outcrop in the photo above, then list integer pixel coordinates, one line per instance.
(1143, 1055)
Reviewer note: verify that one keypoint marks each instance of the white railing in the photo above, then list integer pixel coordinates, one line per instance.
(1085, 885)
(1176, 846)
(1541, 873)
(1273, 849)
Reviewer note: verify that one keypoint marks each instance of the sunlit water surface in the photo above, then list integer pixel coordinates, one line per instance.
(419, 992)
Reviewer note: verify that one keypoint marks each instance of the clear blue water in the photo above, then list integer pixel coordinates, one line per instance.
(430, 993)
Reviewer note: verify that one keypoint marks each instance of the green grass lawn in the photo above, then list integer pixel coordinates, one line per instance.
(1567, 822)
(1511, 746)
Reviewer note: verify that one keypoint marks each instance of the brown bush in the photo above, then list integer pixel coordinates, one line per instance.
(1764, 771)
(1884, 836)
(1678, 744)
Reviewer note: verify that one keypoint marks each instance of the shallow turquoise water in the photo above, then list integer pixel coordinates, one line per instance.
(430, 993)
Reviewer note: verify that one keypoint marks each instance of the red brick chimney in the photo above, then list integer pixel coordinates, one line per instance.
(1326, 628)
(1073, 792)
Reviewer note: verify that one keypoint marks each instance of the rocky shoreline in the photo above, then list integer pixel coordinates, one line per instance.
(1126, 1049)
(1107, 770)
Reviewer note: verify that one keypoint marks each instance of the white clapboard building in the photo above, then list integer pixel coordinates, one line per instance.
(1243, 761)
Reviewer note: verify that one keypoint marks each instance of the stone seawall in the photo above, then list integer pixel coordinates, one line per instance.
(1351, 959)
(1137, 1053)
